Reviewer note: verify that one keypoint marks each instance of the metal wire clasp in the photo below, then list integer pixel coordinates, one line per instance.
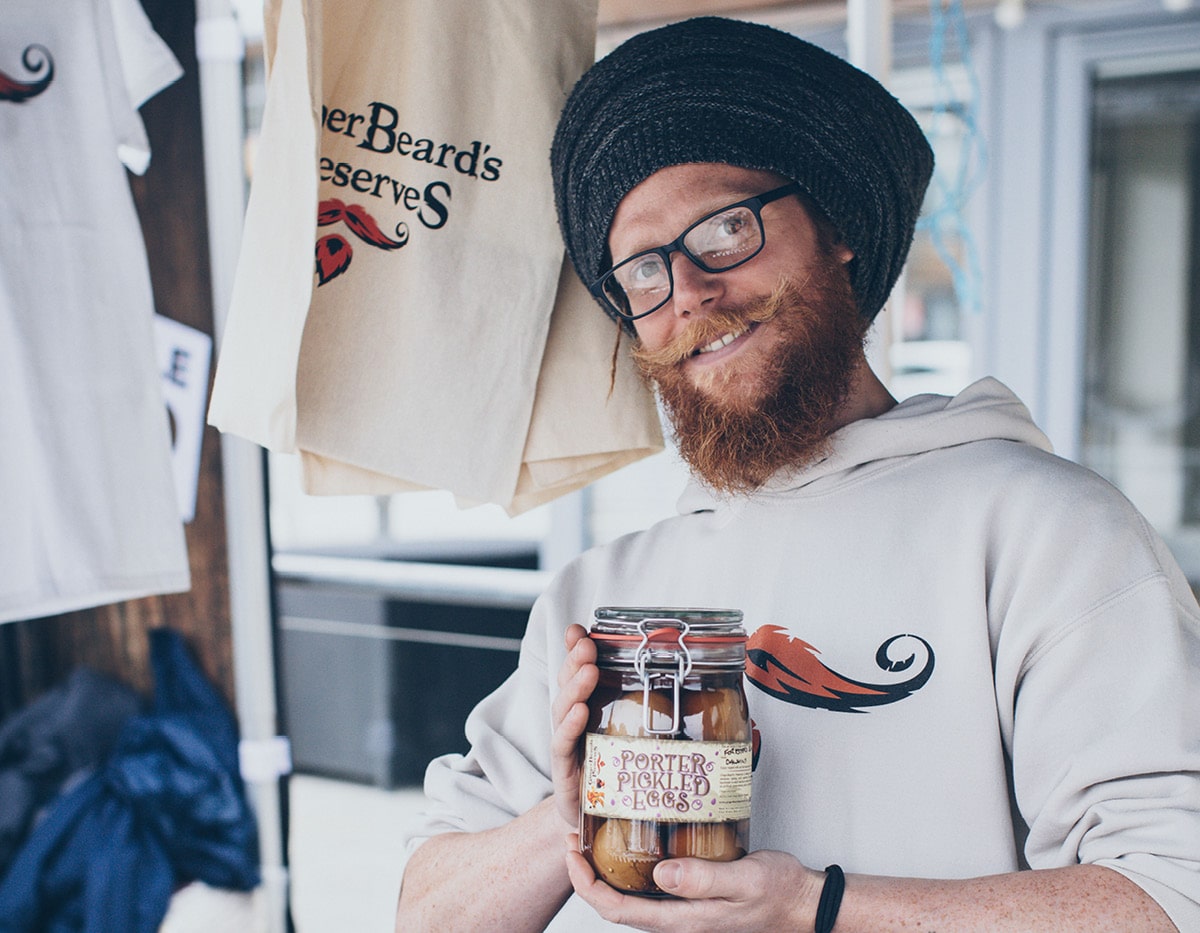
(665, 630)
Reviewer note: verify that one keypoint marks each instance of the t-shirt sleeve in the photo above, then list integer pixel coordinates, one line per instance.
(147, 65)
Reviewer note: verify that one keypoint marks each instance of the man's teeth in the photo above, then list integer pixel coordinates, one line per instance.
(721, 342)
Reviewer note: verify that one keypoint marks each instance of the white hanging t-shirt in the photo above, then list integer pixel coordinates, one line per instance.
(88, 512)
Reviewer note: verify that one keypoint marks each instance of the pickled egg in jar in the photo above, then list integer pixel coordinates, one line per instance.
(667, 749)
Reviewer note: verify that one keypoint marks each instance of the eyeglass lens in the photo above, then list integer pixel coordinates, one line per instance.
(715, 243)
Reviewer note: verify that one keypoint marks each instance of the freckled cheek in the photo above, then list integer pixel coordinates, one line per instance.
(656, 334)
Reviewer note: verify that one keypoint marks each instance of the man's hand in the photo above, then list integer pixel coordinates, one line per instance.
(763, 891)
(773, 891)
(577, 679)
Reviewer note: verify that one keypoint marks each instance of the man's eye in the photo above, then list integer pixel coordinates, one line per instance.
(646, 272)
(724, 236)
(730, 225)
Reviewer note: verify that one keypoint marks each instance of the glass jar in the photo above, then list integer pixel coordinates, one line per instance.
(667, 749)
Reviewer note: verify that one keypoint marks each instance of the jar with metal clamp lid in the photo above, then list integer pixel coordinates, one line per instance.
(667, 749)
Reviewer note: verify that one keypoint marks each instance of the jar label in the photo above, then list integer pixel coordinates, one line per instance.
(671, 780)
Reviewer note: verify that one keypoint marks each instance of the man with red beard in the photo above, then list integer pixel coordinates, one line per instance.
(759, 365)
(741, 202)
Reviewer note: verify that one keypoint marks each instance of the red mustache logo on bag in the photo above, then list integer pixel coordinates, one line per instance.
(34, 58)
(334, 251)
(785, 667)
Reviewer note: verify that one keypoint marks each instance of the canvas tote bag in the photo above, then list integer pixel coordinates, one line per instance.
(434, 338)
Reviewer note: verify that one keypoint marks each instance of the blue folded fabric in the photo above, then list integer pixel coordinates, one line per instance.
(66, 732)
(167, 808)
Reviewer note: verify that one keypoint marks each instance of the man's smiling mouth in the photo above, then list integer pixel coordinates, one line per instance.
(721, 342)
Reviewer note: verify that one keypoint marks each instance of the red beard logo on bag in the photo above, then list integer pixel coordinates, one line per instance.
(35, 58)
(334, 251)
(785, 667)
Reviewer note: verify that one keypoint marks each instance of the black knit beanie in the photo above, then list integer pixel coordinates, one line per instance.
(721, 90)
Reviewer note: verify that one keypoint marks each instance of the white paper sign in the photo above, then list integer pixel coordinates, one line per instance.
(184, 355)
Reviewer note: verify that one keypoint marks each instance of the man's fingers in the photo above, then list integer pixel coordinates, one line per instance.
(577, 679)
(757, 892)
(607, 901)
(692, 878)
(643, 913)
(577, 688)
(745, 879)
(568, 730)
(574, 632)
(581, 652)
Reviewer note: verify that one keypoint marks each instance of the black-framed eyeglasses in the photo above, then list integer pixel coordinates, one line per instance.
(717, 242)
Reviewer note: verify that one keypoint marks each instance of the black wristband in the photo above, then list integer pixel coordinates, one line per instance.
(831, 899)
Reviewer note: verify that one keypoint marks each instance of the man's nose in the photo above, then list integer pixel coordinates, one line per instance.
(695, 289)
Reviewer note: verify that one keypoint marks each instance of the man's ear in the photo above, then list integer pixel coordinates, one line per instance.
(843, 253)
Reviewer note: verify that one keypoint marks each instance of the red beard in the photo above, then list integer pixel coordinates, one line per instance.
(735, 440)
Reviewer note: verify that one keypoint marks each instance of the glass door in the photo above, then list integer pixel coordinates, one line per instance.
(1141, 398)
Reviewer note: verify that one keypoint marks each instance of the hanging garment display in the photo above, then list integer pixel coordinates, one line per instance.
(86, 490)
(401, 314)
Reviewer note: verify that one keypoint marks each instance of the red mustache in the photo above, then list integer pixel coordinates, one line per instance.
(333, 257)
(361, 223)
(784, 663)
(787, 668)
(19, 91)
(334, 252)
(717, 323)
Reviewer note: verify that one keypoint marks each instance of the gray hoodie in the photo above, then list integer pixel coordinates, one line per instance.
(966, 656)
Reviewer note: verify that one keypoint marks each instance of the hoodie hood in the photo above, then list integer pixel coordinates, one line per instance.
(985, 410)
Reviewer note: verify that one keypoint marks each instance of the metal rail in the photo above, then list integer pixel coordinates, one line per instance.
(453, 584)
